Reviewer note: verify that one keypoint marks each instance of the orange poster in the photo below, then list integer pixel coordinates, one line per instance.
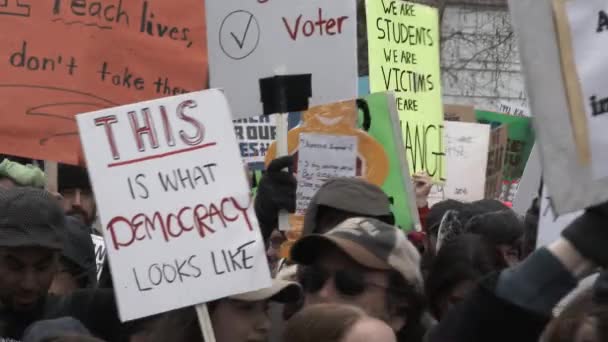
(60, 58)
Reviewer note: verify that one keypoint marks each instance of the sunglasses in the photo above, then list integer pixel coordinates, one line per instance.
(347, 282)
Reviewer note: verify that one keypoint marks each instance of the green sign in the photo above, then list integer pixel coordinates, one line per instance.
(403, 44)
(519, 144)
(383, 125)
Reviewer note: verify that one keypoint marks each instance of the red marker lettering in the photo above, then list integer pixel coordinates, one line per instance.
(107, 122)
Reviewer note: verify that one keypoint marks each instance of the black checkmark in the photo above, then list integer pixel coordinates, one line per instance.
(241, 42)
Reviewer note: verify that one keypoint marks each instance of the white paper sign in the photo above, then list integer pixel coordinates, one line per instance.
(255, 39)
(174, 203)
(529, 184)
(320, 158)
(549, 226)
(467, 158)
(100, 253)
(466, 149)
(588, 21)
(513, 108)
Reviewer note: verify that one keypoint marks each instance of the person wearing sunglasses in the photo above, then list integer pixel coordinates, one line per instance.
(366, 263)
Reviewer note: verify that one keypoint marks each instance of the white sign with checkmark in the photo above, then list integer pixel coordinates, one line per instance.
(249, 41)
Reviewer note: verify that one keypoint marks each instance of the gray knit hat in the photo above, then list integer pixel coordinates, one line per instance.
(30, 218)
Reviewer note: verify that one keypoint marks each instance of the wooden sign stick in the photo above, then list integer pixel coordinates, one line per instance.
(204, 321)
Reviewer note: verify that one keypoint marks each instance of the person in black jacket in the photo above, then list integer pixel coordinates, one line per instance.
(31, 222)
(516, 304)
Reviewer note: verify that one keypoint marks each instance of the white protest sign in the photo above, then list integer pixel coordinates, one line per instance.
(100, 253)
(174, 203)
(255, 135)
(252, 40)
(320, 158)
(466, 149)
(529, 184)
(513, 108)
(588, 21)
(572, 184)
(550, 226)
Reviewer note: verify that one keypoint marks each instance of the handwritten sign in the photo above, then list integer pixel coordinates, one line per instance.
(64, 57)
(588, 22)
(512, 108)
(252, 40)
(550, 225)
(467, 157)
(459, 113)
(174, 203)
(100, 253)
(403, 42)
(321, 158)
(520, 140)
(496, 162)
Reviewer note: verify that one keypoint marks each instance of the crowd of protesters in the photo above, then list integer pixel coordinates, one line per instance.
(471, 274)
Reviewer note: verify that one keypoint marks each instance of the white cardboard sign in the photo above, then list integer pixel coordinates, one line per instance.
(255, 135)
(588, 21)
(572, 184)
(174, 203)
(100, 253)
(466, 149)
(529, 184)
(550, 225)
(320, 158)
(467, 158)
(251, 40)
(513, 108)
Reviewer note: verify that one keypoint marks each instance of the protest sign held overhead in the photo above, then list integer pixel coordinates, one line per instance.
(380, 156)
(100, 253)
(466, 148)
(459, 113)
(475, 159)
(67, 57)
(519, 142)
(252, 40)
(321, 158)
(588, 32)
(255, 136)
(529, 185)
(340, 119)
(536, 25)
(257, 133)
(174, 203)
(403, 44)
(513, 108)
(550, 225)
(496, 162)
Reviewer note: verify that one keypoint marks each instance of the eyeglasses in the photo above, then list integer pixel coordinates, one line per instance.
(348, 282)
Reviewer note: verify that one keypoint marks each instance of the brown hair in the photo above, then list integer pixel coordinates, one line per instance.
(322, 322)
(583, 307)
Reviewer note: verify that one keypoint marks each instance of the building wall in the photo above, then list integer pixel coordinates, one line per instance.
(480, 61)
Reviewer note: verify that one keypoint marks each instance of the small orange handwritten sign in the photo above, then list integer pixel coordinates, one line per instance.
(64, 57)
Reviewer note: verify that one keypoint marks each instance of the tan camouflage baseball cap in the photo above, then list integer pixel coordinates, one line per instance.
(370, 242)
(281, 291)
